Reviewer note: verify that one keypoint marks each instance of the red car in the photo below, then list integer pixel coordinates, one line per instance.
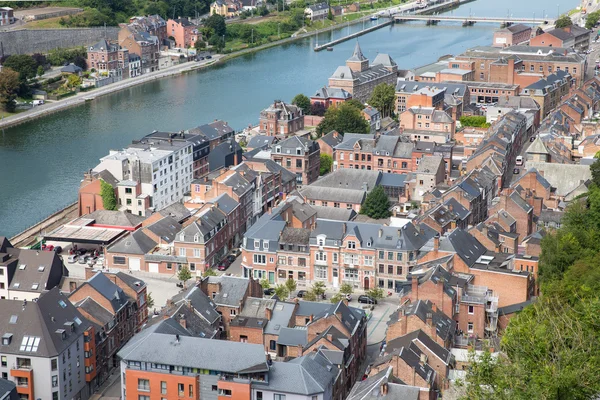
(224, 265)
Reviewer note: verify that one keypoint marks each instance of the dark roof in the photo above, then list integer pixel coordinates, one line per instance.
(514, 308)
(115, 218)
(71, 69)
(419, 335)
(108, 289)
(44, 322)
(332, 138)
(96, 311)
(37, 270)
(203, 305)
(444, 325)
(194, 323)
(293, 336)
(8, 390)
(260, 142)
(134, 243)
(518, 28)
(177, 211)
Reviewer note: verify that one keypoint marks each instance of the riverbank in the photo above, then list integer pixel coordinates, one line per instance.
(81, 98)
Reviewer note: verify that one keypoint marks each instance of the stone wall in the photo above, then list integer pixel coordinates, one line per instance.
(43, 40)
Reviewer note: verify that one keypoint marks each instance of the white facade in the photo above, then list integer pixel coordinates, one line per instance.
(165, 171)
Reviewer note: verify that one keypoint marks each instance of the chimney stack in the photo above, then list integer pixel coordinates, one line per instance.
(436, 242)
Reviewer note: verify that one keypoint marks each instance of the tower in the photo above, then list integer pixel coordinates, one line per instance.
(357, 62)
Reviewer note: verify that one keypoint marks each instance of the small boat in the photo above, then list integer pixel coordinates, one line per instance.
(329, 48)
(374, 18)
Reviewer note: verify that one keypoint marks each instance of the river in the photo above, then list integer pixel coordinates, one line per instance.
(42, 161)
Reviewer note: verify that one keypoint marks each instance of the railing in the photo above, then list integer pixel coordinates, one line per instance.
(472, 299)
(22, 366)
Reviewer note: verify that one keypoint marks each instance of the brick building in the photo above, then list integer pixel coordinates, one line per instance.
(450, 92)
(109, 58)
(573, 36)
(325, 97)
(512, 35)
(299, 156)
(436, 123)
(359, 78)
(549, 92)
(281, 119)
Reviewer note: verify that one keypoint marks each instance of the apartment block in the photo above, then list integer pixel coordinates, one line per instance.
(299, 156)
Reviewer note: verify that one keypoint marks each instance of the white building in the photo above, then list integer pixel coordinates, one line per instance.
(163, 171)
(317, 11)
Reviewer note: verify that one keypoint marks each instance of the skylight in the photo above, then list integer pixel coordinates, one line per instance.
(22, 266)
(35, 286)
(13, 319)
(77, 320)
(41, 268)
(62, 303)
(29, 344)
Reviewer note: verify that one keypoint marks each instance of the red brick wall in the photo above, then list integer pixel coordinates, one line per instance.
(253, 335)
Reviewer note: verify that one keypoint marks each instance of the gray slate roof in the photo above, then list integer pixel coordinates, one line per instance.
(41, 320)
(134, 243)
(115, 218)
(193, 352)
(232, 291)
(293, 336)
(203, 305)
(281, 317)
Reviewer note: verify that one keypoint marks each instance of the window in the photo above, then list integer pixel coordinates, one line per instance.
(182, 252)
(144, 384)
(351, 274)
(54, 381)
(390, 256)
(390, 269)
(324, 203)
(398, 270)
(119, 260)
(4, 361)
(225, 392)
(352, 245)
(142, 397)
(196, 253)
(320, 272)
(232, 312)
(278, 396)
(273, 345)
(336, 205)
(481, 76)
(398, 256)
(259, 395)
(335, 258)
(180, 388)
(260, 259)
(320, 256)
(471, 310)
(368, 260)
(470, 327)
(298, 163)
(381, 268)
(191, 390)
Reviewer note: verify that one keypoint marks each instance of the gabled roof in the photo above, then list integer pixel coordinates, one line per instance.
(232, 292)
(307, 375)
(134, 243)
(370, 388)
(297, 336)
(444, 325)
(464, 245)
(115, 218)
(404, 341)
(203, 305)
(35, 328)
(107, 289)
(537, 147)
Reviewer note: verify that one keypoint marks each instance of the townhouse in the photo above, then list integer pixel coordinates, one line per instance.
(197, 313)
(114, 315)
(328, 143)
(437, 95)
(109, 58)
(299, 156)
(183, 32)
(217, 132)
(418, 120)
(512, 35)
(336, 252)
(548, 92)
(26, 274)
(573, 36)
(281, 119)
(44, 347)
(142, 42)
(392, 154)
(326, 97)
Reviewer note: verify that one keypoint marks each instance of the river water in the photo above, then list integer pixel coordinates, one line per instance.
(42, 162)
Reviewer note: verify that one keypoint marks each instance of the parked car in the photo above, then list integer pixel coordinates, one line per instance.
(72, 258)
(301, 293)
(231, 258)
(516, 171)
(222, 267)
(363, 298)
(269, 292)
(519, 161)
(100, 261)
(349, 297)
(82, 260)
(531, 139)
(49, 247)
(91, 261)
(208, 57)
(58, 249)
(82, 251)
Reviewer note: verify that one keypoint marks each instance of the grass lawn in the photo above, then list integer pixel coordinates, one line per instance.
(4, 114)
(50, 23)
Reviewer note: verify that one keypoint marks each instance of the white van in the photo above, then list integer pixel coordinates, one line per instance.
(519, 160)
(38, 102)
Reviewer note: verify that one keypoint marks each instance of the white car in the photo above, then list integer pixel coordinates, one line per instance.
(72, 258)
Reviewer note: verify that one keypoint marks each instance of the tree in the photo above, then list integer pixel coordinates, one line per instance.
(592, 19)
(318, 288)
(326, 163)
(282, 292)
(209, 272)
(595, 170)
(303, 102)
(383, 98)
(377, 204)
(9, 86)
(291, 285)
(73, 81)
(317, 109)
(40, 70)
(150, 301)
(355, 103)
(107, 192)
(310, 296)
(375, 293)
(184, 274)
(200, 45)
(346, 288)
(336, 298)
(477, 121)
(24, 64)
(217, 24)
(81, 62)
(345, 118)
(264, 283)
(330, 15)
(563, 22)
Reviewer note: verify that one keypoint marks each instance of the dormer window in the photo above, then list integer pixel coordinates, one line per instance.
(196, 238)
(298, 152)
(277, 149)
(257, 244)
(266, 244)
(182, 237)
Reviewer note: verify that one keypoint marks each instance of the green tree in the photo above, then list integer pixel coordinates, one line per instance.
(291, 285)
(383, 98)
(377, 204)
(217, 24)
(107, 192)
(476, 121)
(355, 103)
(376, 293)
(303, 102)
(24, 64)
(326, 163)
(40, 70)
(336, 298)
(309, 296)
(346, 288)
(200, 45)
(184, 274)
(329, 14)
(595, 170)
(563, 22)
(345, 118)
(282, 292)
(150, 301)
(9, 87)
(592, 19)
(73, 81)
(209, 272)
(265, 284)
(318, 288)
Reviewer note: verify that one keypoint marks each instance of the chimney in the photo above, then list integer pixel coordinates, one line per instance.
(429, 320)
(384, 388)
(380, 232)
(414, 289)
(433, 305)
(330, 337)
(268, 313)
(436, 242)
(453, 224)
(423, 359)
